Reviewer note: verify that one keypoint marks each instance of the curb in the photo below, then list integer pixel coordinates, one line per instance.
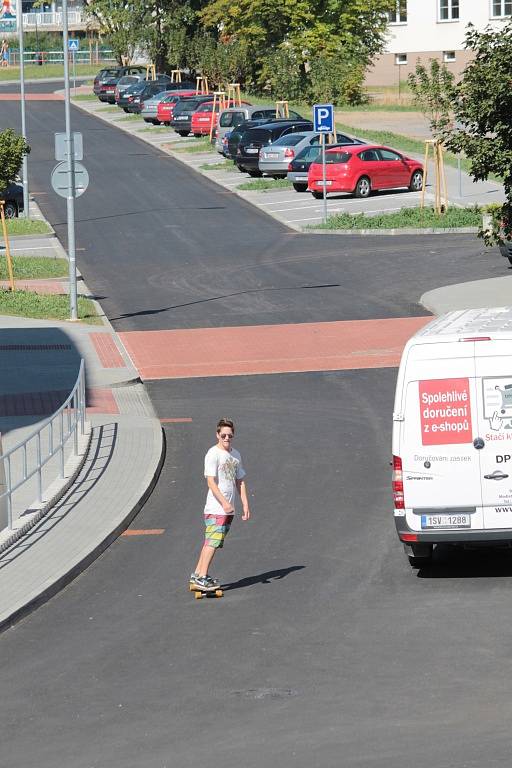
(394, 231)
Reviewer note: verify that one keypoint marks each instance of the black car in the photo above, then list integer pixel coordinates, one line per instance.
(13, 200)
(182, 113)
(106, 81)
(254, 139)
(236, 133)
(299, 166)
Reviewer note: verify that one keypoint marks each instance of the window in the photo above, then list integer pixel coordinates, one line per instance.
(401, 58)
(369, 156)
(448, 56)
(337, 157)
(448, 10)
(501, 8)
(387, 154)
(399, 15)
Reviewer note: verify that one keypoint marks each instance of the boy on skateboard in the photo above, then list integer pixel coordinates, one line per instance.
(224, 474)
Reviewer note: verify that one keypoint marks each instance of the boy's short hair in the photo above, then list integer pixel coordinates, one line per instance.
(225, 423)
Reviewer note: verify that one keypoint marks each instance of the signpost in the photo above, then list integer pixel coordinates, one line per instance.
(73, 47)
(323, 123)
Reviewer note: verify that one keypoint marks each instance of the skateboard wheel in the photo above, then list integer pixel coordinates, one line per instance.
(218, 593)
(198, 595)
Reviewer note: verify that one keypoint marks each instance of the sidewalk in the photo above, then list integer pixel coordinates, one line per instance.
(119, 462)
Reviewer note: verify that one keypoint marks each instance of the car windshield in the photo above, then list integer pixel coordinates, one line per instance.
(257, 134)
(308, 154)
(289, 140)
(128, 79)
(135, 88)
(106, 73)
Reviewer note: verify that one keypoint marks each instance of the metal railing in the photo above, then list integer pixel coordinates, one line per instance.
(60, 427)
(87, 56)
(53, 19)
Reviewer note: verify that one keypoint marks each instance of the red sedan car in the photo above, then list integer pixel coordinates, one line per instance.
(362, 169)
(202, 117)
(166, 106)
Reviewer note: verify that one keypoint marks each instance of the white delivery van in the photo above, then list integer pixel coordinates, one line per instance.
(452, 433)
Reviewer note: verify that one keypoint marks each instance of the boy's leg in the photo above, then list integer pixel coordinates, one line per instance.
(205, 559)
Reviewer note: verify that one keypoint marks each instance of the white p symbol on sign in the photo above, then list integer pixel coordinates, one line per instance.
(323, 114)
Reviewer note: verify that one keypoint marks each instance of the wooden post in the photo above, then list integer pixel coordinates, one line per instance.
(219, 100)
(150, 70)
(175, 75)
(282, 109)
(201, 85)
(425, 172)
(7, 247)
(234, 98)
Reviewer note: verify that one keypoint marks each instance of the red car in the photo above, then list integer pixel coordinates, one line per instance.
(166, 106)
(202, 117)
(362, 169)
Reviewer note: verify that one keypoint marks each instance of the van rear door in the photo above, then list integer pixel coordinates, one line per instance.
(494, 407)
(441, 466)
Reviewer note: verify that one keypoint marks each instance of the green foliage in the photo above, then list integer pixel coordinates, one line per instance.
(415, 218)
(282, 74)
(433, 92)
(482, 109)
(336, 79)
(120, 24)
(12, 150)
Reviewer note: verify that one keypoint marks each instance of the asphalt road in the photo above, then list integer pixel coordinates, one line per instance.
(327, 650)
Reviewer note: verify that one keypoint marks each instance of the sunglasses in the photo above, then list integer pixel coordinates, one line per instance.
(227, 436)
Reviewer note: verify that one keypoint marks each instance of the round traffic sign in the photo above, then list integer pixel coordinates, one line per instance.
(60, 179)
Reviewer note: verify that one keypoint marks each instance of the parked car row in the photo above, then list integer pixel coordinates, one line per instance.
(257, 141)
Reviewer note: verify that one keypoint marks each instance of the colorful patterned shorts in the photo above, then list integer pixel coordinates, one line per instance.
(216, 529)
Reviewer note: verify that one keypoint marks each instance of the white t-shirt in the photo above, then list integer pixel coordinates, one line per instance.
(226, 467)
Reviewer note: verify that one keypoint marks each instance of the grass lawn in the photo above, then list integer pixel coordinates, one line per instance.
(198, 146)
(35, 72)
(406, 217)
(26, 227)
(126, 118)
(33, 267)
(111, 108)
(27, 304)
(84, 97)
(155, 129)
(227, 165)
(266, 185)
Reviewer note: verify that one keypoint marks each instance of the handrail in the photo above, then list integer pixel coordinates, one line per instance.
(75, 406)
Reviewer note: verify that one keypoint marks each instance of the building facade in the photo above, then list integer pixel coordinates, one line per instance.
(427, 29)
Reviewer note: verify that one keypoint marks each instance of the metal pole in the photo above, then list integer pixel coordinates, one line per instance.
(71, 171)
(459, 170)
(323, 177)
(26, 204)
(74, 73)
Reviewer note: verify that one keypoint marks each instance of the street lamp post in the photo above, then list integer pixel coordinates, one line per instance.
(26, 204)
(71, 171)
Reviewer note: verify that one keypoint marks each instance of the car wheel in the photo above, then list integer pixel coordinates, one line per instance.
(416, 181)
(419, 554)
(183, 133)
(10, 210)
(167, 124)
(255, 174)
(300, 187)
(125, 110)
(318, 195)
(363, 187)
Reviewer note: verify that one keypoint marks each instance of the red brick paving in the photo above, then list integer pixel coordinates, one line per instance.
(332, 346)
(31, 97)
(107, 351)
(37, 286)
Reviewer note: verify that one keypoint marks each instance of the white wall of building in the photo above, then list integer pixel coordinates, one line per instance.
(424, 31)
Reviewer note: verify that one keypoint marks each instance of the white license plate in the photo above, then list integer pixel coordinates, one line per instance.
(182, 117)
(301, 178)
(446, 521)
(327, 183)
(203, 119)
(251, 151)
(110, 90)
(271, 155)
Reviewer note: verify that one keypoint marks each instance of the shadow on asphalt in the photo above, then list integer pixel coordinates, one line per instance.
(457, 563)
(262, 578)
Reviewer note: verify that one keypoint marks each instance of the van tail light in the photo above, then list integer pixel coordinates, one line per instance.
(397, 483)
(289, 152)
(408, 536)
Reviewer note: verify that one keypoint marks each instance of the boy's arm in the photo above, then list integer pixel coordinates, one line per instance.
(242, 490)
(214, 488)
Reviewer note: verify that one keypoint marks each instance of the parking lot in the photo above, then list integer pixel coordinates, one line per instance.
(296, 210)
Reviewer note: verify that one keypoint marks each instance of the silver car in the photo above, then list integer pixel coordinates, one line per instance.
(150, 108)
(231, 118)
(275, 158)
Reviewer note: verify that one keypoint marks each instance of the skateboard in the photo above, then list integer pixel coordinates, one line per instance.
(198, 593)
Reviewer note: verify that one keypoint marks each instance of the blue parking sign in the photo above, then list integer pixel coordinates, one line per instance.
(323, 118)
(73, 44)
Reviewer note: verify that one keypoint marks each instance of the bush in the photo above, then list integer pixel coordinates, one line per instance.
(337, 80)
(12, 150)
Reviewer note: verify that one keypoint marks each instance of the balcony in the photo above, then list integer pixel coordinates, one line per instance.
(52, 21)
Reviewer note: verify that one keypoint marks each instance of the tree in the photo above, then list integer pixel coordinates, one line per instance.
(482, 111)
(303, 29)
(120, 23)
(433, 92)
(12, 150)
